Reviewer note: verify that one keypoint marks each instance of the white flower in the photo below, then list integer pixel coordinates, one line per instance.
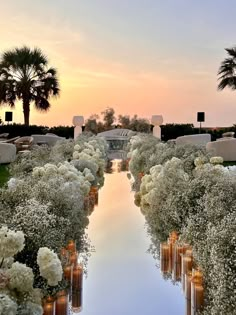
(21, 277)
(199, 161)
(76, 155)
(7, 305)
(88, 175)
(11, 242)
(38, 172)
(30, 308)
(62, 169)
(12, 183)
(77, 147)
(49, 266)
(216, 160)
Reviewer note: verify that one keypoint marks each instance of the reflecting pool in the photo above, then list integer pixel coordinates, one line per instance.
(122, 277)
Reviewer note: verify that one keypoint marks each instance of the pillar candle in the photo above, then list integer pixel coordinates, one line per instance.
(188, 278)
(64, 252)
(77, 276)
(86, 203)
(68, 273)
(76, 300)
(62, 305)
(73, 258)
(96, 198)
(164, 257)
(186, 266)
(197, 297)
(71, 246)
(48, 306)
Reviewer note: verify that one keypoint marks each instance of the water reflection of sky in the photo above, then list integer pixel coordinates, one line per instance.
(122, 277)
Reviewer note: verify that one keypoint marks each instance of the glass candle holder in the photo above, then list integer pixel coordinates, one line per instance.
(71, 246)
(77, 277)
(62, 303)
(76, 302)
(49, 306)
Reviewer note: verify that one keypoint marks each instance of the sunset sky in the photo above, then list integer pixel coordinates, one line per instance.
(140, 57)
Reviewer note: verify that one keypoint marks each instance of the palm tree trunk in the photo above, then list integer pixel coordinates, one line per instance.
(26, 110)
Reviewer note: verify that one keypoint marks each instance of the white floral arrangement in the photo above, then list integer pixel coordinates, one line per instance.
(185, 189)
(43, 206)
(11, 242)
(216, 160)
(7, 305)
(20, 277)
(49, 266)
(16, 279)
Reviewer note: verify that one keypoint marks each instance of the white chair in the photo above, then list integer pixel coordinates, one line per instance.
(46, 139)
(7, 153)
(197, 139)
(226, 148)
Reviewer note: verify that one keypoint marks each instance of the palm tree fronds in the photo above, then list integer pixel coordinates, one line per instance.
(227, 71)
(24, 75)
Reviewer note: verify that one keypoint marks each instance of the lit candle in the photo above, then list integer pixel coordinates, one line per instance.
(197, 297)
(77, 277)
(188, 307)
(188, 278)
(197, 276)
(48, 306)
(164, 257)
(71, 246)
(64, 252)
(164, 251)
(96, 198)
(62, 305)
(186, 266)
(173, 236)
(76, 300)
(73, 258)
(176, 272)
(197, 291)
(86, 203)
(68, 273)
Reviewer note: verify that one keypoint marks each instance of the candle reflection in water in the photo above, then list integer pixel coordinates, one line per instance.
(164, 257)
(186, 265)
(77, 283)
(176, 271)
(197, 292)
(188, 278)
(178, 259)
(173, 237)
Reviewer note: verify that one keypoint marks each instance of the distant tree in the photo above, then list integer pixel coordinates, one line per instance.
(227, 70)
(25, 76)
(108, 117)
(140, 124)
(172, 131)
(124, 121)
(91, 124)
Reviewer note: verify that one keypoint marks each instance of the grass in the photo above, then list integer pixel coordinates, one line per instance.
(229, 163)
(4, 174)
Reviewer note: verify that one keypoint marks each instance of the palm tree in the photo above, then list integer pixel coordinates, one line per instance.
(24, 76)
(227, 70)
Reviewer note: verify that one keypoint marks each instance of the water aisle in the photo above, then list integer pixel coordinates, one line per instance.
(122, 277)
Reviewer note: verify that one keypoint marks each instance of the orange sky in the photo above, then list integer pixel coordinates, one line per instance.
(124, 68)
